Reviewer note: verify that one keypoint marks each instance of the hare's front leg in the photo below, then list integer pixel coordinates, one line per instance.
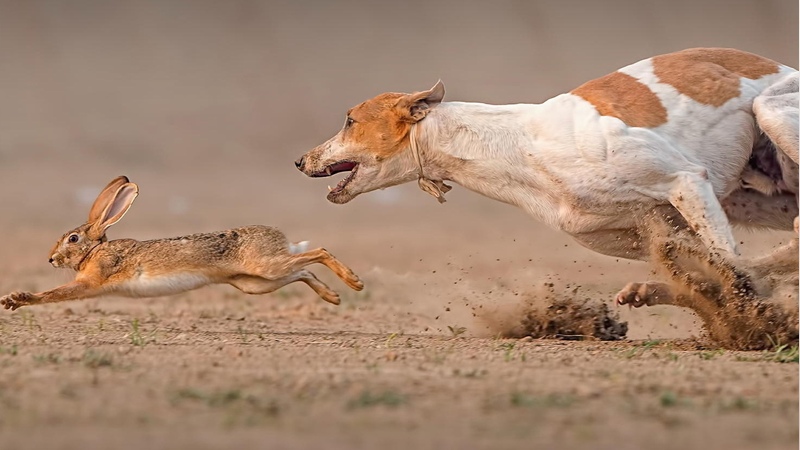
(71, 291)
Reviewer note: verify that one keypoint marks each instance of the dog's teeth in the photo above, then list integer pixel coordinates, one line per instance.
(328, 170)
(330, 188)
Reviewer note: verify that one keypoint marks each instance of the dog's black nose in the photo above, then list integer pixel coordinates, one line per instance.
(299, 162)
(51, 260)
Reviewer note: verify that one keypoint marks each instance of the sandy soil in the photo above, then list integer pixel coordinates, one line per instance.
(219, 369)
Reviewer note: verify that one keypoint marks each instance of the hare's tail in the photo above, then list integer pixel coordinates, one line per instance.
(298, 247)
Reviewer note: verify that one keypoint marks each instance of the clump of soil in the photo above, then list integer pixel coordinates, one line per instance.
(744, 322)
(571, 318)
(546, 313)
(743, 308)
(754, 324)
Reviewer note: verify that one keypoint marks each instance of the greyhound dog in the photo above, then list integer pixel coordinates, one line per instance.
(698, 139)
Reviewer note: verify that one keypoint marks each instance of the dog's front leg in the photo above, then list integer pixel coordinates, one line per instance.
(693, 196)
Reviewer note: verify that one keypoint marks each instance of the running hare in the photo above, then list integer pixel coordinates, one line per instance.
(254, 259)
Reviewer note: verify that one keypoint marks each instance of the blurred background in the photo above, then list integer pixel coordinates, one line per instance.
(207, 103)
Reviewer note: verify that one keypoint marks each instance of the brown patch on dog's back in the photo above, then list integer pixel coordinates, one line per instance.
(624, 97)
(710, 75)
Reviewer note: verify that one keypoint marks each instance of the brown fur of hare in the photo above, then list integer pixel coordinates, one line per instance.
(255, 259)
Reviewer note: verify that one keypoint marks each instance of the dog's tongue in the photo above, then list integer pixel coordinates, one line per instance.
(342, 166)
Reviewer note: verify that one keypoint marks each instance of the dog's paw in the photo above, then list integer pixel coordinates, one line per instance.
(16, 299)
(648, 293)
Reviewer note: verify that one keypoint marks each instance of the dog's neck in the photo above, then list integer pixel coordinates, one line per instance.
(472, 131)
(484, 148)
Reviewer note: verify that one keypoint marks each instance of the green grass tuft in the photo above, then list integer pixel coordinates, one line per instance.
(368, 399)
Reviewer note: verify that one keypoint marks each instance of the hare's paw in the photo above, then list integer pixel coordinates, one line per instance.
(329, 296)
(16, 299)
(648, 293)
(355, 283)
(351, 279)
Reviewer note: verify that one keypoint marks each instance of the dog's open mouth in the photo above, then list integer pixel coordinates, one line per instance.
(341, 166)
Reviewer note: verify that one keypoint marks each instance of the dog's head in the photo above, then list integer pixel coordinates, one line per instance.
(371, 144)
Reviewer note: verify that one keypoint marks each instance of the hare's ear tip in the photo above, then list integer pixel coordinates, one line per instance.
(122, 179)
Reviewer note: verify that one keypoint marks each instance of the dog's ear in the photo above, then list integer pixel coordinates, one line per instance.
(415, 107)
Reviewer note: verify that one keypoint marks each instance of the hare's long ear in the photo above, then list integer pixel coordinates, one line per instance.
(115, 210)
(105, 198)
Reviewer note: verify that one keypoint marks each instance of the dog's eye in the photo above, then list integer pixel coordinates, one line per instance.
(73, 238)
(348, 122)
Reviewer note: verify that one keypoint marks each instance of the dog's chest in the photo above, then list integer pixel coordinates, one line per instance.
(149, 285)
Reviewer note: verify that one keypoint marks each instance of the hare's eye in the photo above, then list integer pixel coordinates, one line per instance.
(73, 238)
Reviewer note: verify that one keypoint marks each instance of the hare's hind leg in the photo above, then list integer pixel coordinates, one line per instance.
(322, 256)
(319, 287)
(251, 284)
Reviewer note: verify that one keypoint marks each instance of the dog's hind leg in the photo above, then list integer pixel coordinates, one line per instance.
(777, 111)
(784, 260)
(752, 209)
